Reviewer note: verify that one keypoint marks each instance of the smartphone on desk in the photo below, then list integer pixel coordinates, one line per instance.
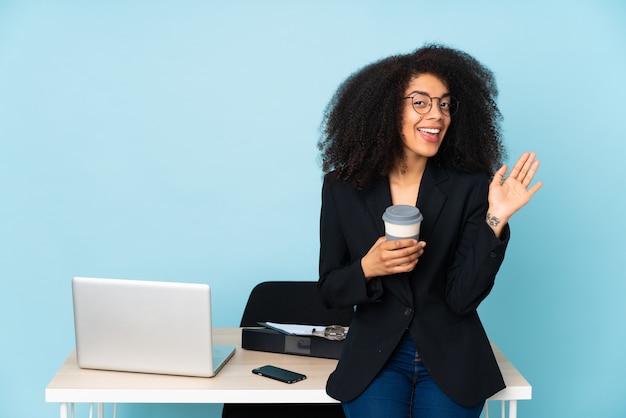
(277, 373)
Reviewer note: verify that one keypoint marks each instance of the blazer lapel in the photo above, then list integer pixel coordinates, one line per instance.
(377, 201)
(431, 198)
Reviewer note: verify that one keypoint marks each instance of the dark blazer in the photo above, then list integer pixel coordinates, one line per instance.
(436, 302)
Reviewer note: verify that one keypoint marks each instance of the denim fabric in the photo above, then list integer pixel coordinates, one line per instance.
(404, 389)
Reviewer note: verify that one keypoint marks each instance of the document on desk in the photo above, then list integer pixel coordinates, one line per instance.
(330, 332)
(293, 329)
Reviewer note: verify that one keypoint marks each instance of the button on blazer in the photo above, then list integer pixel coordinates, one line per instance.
(436, 302)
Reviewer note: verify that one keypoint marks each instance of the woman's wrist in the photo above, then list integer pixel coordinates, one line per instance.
(365, 269)
(493, 220)
(496, 222)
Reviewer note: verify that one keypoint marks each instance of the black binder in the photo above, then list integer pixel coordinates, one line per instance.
(265, 339)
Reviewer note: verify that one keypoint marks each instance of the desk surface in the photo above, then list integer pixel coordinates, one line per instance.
(234, 383)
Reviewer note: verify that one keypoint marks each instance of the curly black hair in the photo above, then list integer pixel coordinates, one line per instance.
(361, 140)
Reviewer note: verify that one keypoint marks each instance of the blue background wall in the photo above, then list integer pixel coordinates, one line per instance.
(177, 141)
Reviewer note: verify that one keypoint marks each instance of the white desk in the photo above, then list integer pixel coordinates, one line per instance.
(233, 384)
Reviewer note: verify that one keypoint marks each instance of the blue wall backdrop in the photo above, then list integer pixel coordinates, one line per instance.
(177, 141)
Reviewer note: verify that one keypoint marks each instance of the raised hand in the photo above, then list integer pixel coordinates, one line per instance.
(508, 195)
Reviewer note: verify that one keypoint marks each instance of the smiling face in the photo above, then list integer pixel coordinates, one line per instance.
(422, 134)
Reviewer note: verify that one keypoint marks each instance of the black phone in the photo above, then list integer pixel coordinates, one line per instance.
(277, 373)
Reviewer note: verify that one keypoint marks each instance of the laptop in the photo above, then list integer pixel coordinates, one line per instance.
(146, 327)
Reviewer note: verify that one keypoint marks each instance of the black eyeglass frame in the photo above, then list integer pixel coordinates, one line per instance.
(430, 104)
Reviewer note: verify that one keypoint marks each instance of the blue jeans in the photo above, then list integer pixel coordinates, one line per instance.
(404, 389)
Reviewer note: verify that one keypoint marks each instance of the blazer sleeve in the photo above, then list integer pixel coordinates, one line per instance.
(477, 258)
(341, 279)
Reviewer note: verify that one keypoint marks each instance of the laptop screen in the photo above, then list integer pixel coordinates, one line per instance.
(144, 326)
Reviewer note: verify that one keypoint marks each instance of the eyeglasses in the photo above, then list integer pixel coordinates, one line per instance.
(422, 103)
(332, 332)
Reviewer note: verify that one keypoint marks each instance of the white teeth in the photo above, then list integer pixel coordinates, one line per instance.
(430, 130)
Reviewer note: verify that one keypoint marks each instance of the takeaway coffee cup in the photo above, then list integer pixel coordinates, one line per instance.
(402, 222)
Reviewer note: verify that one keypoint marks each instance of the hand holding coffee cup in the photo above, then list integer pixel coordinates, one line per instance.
(402, 222)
